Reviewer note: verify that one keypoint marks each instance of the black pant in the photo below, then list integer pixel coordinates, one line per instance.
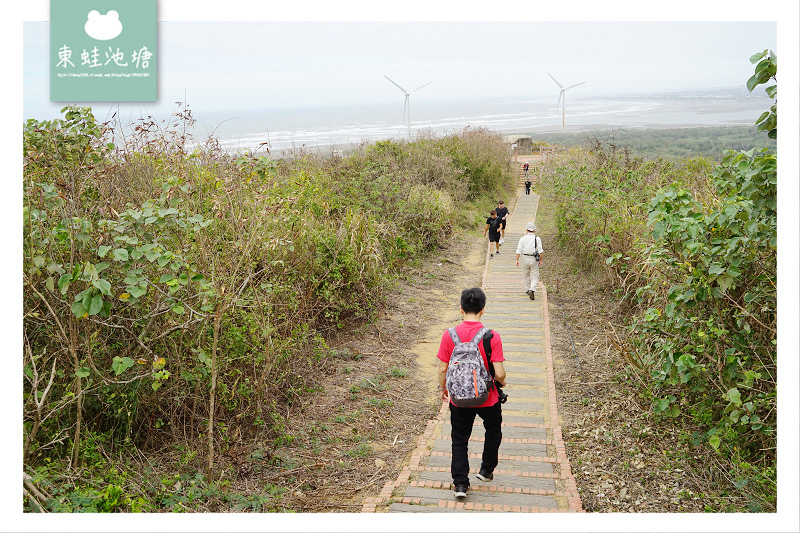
(461, 420)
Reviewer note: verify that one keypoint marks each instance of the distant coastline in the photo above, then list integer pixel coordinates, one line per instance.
(325, 129)
(286, 131)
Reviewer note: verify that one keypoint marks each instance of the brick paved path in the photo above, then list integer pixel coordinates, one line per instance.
(534, 474)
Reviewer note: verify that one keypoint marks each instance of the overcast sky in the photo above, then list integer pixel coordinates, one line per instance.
(221, 65)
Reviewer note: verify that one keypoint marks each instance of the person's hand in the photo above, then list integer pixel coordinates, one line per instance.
(517, 262)
(443, 395)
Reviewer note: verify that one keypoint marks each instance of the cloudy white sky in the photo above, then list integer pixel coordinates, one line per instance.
(243, 53)
(255, 62)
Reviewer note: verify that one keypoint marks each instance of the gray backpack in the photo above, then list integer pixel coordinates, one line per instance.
(467, 380)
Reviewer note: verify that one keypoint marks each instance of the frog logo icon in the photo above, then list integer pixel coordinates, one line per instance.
(103, 27)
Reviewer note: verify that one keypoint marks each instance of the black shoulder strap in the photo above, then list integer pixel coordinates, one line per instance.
(487, 349)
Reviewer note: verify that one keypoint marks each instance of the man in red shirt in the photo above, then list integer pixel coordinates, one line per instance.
(473, 302)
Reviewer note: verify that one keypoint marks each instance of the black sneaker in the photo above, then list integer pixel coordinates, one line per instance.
(485, 476)
(532, 295)
(460, 490)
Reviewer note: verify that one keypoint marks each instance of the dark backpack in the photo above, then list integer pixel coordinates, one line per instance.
(467, 380)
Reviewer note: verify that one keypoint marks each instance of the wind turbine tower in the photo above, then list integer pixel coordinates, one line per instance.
(407, 104)
(562, 99)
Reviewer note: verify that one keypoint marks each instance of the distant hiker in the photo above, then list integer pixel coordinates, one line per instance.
(525, 168)
(473, 302)
(528, 186)
(493, 229)
(530, 250)
(502, 212)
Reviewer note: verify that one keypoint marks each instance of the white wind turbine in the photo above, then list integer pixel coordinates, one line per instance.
(562, 99)
(407, 104)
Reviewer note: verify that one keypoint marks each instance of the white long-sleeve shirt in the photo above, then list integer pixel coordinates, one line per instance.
(529, 243)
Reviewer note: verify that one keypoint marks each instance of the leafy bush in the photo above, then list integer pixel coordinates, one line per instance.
(716, 323)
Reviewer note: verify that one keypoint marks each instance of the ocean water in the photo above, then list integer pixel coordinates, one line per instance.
(323, 129)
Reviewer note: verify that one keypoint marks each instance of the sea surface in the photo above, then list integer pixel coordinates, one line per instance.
(323, 129)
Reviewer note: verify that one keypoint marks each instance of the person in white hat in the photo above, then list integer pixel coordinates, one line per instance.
(530, 251)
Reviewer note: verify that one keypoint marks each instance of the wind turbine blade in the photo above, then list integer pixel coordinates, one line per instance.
(390, 79)
(421, 86)
(405, 106)
(559, 98)
(571, 86)
(555, 80)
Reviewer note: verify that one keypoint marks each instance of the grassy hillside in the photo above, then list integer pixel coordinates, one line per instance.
(184, 300)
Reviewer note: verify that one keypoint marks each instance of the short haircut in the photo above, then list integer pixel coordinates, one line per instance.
(492, 212)
(473, 300)
(501, 202)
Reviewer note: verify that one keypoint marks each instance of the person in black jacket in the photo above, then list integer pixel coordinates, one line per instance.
(502, 213)
(493, 229)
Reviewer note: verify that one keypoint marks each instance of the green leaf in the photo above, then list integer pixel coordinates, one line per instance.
(83, 372)
(77, 309)
(103, 250)
(714, 442)
(103, 285)
(63, 283)
(50, 284)
(121, 364)
(735, 396)
(725, 281)
(166, 278)
(178, 309)
(90, 271)
(755, 58)
(96, 305)
(137, 291)
(120, 254)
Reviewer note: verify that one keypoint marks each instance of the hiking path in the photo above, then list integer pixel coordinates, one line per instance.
(534, 473)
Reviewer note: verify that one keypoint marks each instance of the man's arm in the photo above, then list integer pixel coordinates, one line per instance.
(539, 249)
(442, 378)
(499, 373)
